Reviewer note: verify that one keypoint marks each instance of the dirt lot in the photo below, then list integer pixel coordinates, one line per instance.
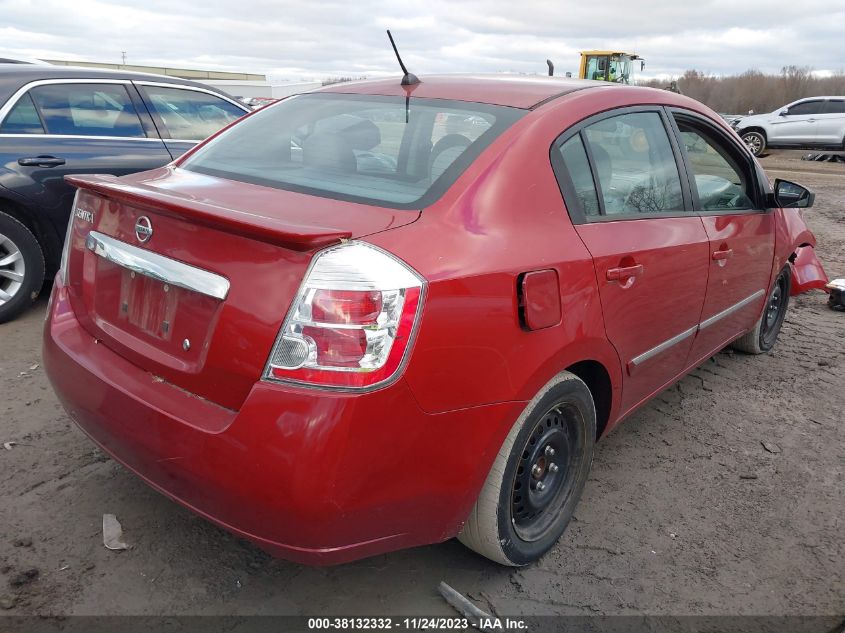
(685, 512)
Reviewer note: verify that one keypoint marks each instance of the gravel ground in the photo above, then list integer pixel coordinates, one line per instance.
(686, 511)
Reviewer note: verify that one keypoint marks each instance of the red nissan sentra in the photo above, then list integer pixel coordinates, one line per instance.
(379, 316)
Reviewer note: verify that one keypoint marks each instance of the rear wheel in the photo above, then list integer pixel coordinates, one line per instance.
(21, 267)
(755, 141)
(538, 476)
(764, 334)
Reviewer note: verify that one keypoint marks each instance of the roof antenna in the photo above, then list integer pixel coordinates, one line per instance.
(551, 68)
(410, 78)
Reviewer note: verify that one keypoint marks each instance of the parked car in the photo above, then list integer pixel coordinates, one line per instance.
(335, 362)
(57, 121)
(814, 123)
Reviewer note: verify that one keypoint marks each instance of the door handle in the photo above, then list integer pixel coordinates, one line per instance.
(811, 120)
(721, 256)
(624, 272)
(41, 161)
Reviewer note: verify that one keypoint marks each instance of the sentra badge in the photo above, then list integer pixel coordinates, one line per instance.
(84, 214)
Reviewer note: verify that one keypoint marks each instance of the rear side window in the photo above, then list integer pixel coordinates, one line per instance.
(835, 106)
(22, 119)
(634, 165)
(578, 167)
(190, 114)
(366, 148)
(87, 110)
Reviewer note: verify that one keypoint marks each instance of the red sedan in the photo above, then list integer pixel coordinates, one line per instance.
(382, 315)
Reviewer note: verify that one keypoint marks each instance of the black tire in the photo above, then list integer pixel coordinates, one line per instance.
(763, 336)
(756, 142)
(21, 268)
(514, 522)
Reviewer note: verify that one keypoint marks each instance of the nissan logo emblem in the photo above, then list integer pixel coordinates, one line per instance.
(143, 229)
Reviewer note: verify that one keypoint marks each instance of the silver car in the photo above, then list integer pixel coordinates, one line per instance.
(815, 122)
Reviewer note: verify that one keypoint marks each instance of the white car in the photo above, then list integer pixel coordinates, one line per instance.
(815, 122)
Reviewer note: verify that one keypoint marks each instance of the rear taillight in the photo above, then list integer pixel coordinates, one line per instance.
(63, 262)
(351, 324)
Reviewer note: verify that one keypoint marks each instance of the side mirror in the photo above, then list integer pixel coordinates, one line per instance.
(788, 195)
(783, 112)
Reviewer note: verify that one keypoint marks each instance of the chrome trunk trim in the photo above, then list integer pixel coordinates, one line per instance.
(157, 266)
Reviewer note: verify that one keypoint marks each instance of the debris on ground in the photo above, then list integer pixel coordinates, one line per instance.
(24, 541)
(113, 533)
(8, 445)
(23, 578)
(836, 298)
(8, 602)
(748, 476)
(771, 447)
(825, 158)
(476, 616)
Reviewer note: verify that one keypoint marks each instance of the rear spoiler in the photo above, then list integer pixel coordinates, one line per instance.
(294, 236)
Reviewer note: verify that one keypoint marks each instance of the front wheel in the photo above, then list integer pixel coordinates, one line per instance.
(538, 476)
(21, 267)
(764, 334)
(755, 141)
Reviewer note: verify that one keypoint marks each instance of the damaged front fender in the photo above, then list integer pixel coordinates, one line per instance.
(807, 271)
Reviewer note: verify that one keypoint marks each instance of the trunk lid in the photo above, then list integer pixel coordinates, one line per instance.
(200, 301)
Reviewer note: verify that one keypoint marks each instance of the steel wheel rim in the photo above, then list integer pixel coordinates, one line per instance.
(551, 456)
(754, 143)
(12, 269)
(774, 309)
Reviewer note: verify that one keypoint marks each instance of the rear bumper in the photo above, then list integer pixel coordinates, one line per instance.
(807, 271)
(311, 476)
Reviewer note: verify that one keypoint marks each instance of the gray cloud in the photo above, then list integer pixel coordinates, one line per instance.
(317, 39)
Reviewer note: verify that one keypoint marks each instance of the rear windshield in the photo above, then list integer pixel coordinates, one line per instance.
(362, 148)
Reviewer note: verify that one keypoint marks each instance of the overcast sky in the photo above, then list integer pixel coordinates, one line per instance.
(316, 39)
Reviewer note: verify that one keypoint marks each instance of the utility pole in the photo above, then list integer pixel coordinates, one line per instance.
(123, 56)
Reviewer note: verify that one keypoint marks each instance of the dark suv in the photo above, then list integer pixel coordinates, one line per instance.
(57, 120)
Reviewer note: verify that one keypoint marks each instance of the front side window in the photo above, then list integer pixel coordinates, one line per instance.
(22, 119)
(720, 181)
(372, 149)
(805, 107)
(634, 165)
(87, 110)
(190, 114)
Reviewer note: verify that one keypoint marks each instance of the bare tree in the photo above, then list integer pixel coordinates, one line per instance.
(753, 90)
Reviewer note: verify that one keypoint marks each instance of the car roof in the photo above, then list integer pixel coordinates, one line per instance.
(15, 76)
(516, 91)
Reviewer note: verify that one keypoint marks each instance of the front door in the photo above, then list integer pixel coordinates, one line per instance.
(740, 230)
(650, 252)
(798, 125)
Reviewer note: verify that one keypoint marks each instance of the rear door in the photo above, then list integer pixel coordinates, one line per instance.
(53, 128)
(798, 125)
(650, 252)
(727, 194)
(186, 115)
(831, 123)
